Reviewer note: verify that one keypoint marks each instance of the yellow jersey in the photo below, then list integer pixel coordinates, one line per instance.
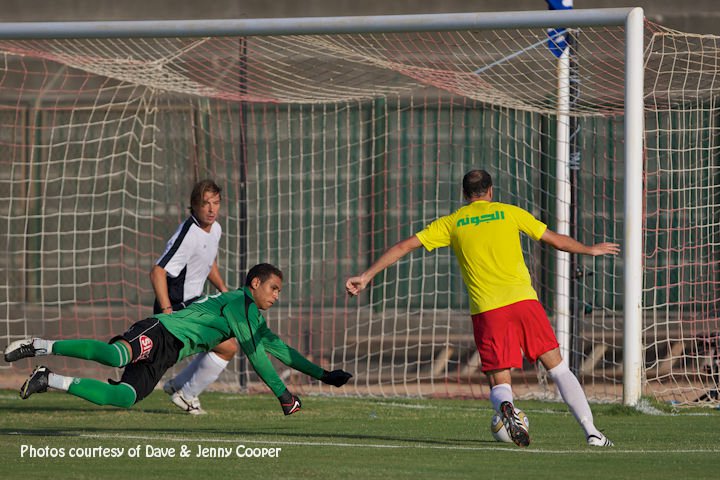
(485, 237)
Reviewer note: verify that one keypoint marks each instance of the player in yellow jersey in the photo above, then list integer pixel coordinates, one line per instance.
(508, 320)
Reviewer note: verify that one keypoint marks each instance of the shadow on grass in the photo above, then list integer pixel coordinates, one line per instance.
(157, 423)
(223, 435)
(45, 409)
(40, 432)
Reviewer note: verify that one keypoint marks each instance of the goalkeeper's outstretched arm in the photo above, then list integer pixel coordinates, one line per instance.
(294, 359)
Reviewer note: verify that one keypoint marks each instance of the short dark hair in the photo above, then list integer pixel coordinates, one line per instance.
(199, 190)
(263, 271)
(476, 183)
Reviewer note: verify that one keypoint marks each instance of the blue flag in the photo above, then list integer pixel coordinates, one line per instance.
(559, 4)
(557, 42)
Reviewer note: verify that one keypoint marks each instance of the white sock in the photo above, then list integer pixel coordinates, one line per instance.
(59, 382)
(42, 346)
(500, 393)
(573, 395)
(201, 372)
(184, 376)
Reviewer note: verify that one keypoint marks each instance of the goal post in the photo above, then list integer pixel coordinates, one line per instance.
(632, 246)
(333, 137)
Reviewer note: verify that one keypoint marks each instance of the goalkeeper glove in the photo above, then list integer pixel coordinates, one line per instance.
(336, 377)
(289, 403)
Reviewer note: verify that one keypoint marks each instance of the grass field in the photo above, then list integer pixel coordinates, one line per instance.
(346, 438)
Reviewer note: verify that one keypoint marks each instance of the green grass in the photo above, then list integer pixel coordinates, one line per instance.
(350, 438)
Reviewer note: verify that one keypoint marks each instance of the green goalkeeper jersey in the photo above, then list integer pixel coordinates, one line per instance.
(216, 318)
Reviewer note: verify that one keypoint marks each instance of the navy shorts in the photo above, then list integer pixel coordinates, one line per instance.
(154, 351)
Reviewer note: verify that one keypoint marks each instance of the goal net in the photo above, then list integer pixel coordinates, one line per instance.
(331, 148)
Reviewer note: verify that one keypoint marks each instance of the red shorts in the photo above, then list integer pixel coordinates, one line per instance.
(502, 335)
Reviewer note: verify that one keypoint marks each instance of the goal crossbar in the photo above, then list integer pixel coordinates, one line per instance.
(316, 25)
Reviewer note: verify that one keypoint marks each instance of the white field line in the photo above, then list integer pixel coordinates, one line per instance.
(271, 442)
(531, 410)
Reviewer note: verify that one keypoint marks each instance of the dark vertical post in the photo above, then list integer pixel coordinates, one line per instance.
(576, 271)
(242, 188)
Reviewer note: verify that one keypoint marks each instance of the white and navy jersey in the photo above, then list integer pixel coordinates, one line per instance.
(188, 258)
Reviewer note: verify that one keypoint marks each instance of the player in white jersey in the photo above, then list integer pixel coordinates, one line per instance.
(178, 278)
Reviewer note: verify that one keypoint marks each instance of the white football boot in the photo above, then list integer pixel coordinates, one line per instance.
(601, 441)
(189, 405)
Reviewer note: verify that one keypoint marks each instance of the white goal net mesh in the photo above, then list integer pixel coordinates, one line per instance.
(329, 150)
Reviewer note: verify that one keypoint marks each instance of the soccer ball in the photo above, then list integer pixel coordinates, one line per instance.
(497, 428)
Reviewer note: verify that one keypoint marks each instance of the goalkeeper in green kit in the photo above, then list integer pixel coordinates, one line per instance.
(151, 346)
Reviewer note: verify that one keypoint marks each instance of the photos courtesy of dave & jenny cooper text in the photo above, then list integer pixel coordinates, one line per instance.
(150, 451)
